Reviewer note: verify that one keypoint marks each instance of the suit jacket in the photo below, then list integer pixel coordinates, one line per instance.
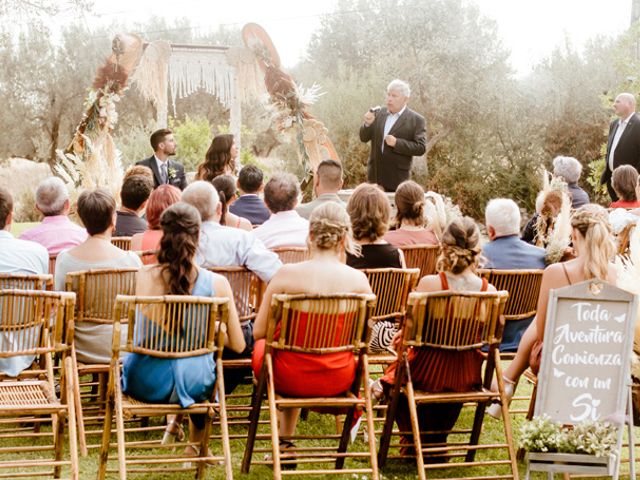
(392, 166)
(252, 208)
(627, 151)
(510, 253)
(177, 180)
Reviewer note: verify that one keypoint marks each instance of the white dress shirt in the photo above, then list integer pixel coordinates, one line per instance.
(160, 165)
(226, 246)
(284, 229)
(390, 121)
(622, 124)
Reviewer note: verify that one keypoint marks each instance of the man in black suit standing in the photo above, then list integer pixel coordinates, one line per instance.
(623, 147)
(397, 134)
(164, 170)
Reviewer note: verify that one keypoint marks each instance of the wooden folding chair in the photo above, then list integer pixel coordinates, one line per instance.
(421, 256)
(96, 292)
(52, 263)
(123, 243)
(199, 324)
(318, 325)
(35, 326)
(291, 254)
(25, 281)
(454, 322)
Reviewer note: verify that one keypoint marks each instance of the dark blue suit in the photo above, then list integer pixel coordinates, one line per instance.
(252, 208)
(511, 253)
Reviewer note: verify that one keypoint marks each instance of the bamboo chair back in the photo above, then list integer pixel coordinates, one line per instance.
(523, 287)
(123, 243)
(421, 256)
(170, 326)
(247, 290)
(25, 281)
(96, 292)
(454, 320)
(319, 324)
(52, 263)
(291, 254)
(391, 286)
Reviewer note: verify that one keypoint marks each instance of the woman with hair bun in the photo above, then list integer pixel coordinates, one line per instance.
(324, 273)
(410, 221)
(226, 187)
(182, 380)
(594, 246)
(438, 370)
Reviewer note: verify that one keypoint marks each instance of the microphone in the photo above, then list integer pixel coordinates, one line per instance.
(375, 109)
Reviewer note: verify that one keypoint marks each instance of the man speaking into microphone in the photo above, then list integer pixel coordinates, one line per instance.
(397, 134)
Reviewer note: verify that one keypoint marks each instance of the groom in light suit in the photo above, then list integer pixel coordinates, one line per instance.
(623, 147)
(165, 171)
(397, 134)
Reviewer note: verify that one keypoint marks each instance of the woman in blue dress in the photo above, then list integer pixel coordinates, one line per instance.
(182, 380)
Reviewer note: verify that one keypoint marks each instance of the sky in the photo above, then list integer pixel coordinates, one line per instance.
(529, 29)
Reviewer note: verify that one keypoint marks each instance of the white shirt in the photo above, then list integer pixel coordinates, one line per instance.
(225, 246)
(284, 229)
(622, 124)
(390, 121)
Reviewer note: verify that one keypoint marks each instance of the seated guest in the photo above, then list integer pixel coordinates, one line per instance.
(593, 242)
(250, 205)
(410, 222)
(134, 195)
(327, 182)
(436, 370)
(624, 181)
(506, 251)
(56, 232)
(540, 227)
(97, 210)
(226, 187)
(369, 210)
(285, 228)
(138, 170)
(569, 169)
(185, 380)
(324, 273)
(222, 246)
(160, 199)
(21, 257)
(220, 158)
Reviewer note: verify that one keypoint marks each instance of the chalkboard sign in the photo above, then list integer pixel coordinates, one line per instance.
(588, 338)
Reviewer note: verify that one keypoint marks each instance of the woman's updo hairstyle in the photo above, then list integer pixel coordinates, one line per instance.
(329, 224)
(180, 225)
(410, 202)
(593, 224)
(460, 246)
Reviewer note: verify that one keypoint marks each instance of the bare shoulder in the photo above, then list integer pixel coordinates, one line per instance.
(429, 283)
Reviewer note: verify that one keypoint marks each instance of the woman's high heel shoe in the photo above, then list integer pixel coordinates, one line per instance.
(495, 410)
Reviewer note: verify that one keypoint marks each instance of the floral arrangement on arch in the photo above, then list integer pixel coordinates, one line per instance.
(541, 434)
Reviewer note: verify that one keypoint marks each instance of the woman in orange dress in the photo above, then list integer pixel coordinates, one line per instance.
(436, 370)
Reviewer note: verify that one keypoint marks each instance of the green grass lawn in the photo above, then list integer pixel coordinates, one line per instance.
(317, 424)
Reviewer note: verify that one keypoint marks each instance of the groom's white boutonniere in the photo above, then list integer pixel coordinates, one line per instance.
(172, 173)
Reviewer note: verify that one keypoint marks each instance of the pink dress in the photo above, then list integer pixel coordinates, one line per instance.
(401, 237)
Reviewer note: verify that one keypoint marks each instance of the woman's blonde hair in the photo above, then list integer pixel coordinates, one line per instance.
(460, 246)
(593, 224)
(329, 224)
(369, 210)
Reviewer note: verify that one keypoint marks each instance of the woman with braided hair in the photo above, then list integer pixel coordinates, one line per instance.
(180, 380)
(410, 223)
(300, 374)
(594, 247)
(439, 370)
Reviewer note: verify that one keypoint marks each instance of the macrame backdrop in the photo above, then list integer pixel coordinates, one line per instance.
(152, 73)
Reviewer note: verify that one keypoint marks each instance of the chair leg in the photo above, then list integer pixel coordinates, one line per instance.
(392, 408)
(504, 404)
(120, 435)
(78, 405)
(69, 382)
(478, 418)
(368, 407)
(273, 420)
(58, 437)
(344, 438)
(415, 428)
(106, 438)
(224, 425)
(254, 418)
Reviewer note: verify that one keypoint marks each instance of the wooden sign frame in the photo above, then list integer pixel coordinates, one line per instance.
(598, 293)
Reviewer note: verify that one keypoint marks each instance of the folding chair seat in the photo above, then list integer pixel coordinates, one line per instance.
(123, 243)
(167, 327)
(421, 256)
(34, 327)
(96, 292)
(291, 254)
(315, 325)
(460, 323)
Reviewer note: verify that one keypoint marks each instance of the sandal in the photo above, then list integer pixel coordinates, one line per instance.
(192, 451)
(174, 432)
(284, 446)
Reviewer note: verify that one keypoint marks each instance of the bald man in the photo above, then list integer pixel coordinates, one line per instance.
(623, 147)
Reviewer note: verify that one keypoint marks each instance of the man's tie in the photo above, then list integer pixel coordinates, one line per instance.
(163, 172)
